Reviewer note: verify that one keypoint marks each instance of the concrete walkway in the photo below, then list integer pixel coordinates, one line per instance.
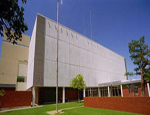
(18, 108)
(62, 110)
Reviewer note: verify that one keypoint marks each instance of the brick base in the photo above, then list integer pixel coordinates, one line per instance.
(16, 99)
(128, 104)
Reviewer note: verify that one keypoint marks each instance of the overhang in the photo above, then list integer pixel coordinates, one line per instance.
(114, 83)
(7, 85)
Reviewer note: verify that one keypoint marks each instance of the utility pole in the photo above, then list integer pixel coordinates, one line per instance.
(57, 56)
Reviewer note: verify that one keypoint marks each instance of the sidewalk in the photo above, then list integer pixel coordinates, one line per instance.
(17, 108)
(61, 110)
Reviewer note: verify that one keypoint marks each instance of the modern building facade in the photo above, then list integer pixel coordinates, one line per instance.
(13, 64)
(77, 54)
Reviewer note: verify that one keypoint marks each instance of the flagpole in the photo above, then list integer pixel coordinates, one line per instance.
(57, 56)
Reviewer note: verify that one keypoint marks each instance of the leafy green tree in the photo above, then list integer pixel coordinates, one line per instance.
(11, 18)
(129, 74)
(140, 55)
(147, 74)
(78, 83)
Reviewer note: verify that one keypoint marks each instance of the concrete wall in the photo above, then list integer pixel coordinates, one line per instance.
(21, 86)
(31, 58)
(77, 54)
(11, 58)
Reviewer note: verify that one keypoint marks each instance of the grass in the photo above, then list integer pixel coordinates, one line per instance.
(42, 110)
(93, 111)
(76, 111)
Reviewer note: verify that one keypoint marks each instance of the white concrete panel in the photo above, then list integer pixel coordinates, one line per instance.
(64, 34)
(31, 57)
(63, 75)
(21, 86)
(63, 52)
(74, 55)
(49, 73)
(95, 61)
(73, 72)
(74, 38)
(90, 59)
(30, 75)
(91, 78)
(83, 58)
(83, 72)
(50, 48)
(51, 28)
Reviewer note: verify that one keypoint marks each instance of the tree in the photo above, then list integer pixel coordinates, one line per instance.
(129, 74)
(140, 55)
(78, 83)
(11, 18)
(147, 74)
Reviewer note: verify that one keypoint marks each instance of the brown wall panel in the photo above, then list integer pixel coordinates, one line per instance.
(39, 52)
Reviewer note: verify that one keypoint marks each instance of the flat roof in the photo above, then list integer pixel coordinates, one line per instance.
(114, 83)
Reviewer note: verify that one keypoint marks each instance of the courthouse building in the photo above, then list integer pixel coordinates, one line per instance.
(102, 69)
(33, 67)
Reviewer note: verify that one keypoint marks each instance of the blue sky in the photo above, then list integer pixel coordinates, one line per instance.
(114, 22)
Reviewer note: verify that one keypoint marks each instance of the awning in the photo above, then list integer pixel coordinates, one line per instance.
(131, 81)
(7, 85)
(114, 83)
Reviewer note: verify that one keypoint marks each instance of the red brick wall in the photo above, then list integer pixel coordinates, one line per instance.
(8, 89)
(16, 99)
(69, 95)
(126, 92)
(129, 104)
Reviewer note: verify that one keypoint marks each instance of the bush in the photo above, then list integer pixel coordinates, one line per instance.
(20, 79)
(2, 92)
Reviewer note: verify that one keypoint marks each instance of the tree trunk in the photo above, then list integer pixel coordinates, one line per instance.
(78, 96)
(142, 84)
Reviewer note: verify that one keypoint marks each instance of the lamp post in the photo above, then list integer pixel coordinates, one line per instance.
(57, 56)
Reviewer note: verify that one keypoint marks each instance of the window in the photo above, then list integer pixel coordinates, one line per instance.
(49, 24)
(91, 92)
(94, 92)
(72, 35)
(20, 79)
(67, 33)
(104, 91)
(55, 27)
(76, 37)
(61, 30)
(115, 91)
(136, 89)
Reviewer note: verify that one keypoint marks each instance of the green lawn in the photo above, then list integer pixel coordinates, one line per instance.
(76, 111)
(93, 111)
